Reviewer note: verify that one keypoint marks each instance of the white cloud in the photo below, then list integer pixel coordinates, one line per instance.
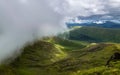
(87, 7)
(23, 1)
(24, 21)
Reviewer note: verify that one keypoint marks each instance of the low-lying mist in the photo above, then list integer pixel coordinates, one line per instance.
(23, 22)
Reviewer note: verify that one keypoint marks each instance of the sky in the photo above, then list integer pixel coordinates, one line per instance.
(89, 9)
(25, 21)
(107, 8)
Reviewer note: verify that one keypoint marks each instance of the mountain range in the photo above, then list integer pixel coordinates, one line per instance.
(106, 24)
(87, 51)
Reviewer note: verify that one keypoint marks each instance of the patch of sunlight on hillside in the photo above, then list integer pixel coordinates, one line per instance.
(59, 46)
(118, 46)
(92, 44)
(60, 54)
(75, 27)
(49, 40)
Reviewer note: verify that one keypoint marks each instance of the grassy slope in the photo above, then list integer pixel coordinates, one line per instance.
(36, 58)
(51, 57)
(66, 44)
(94, 34)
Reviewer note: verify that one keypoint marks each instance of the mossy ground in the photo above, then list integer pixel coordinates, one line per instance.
(57, 56)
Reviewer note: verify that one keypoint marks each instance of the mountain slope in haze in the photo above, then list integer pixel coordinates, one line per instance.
(95, 34)
(106, 24)
(51, 57)
(36, 58)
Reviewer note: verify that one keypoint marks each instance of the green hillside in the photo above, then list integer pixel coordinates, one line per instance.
(56, 56)
(95, 34)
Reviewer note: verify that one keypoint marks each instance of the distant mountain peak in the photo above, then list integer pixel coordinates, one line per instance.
(96, 23)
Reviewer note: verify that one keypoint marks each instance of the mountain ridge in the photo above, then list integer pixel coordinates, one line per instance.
(106, 24)
(36, 58)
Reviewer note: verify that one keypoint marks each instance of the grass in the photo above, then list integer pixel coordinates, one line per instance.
(103, 70)
(56, 56)
(67, 44)
(95, 34)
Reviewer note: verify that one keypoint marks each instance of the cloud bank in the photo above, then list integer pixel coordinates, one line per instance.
(24, 21)
(105, 8)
